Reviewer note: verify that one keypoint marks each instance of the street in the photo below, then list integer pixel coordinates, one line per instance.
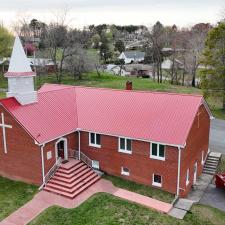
(217, 136)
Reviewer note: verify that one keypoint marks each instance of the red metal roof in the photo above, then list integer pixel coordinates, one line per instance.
(150, 116)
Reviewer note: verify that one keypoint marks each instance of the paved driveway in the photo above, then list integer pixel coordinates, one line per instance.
(217, 136)
(214, 197)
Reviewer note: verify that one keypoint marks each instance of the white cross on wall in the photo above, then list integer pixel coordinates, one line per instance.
(4, 126)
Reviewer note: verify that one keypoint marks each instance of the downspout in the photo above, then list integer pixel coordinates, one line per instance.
(178, 172)
(43, 165)
(79, 144)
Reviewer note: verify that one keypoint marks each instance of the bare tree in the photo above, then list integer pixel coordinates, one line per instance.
(196, 45)
(155, 44)
(79, 62)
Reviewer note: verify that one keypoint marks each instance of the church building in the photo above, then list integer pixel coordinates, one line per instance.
(57, 137)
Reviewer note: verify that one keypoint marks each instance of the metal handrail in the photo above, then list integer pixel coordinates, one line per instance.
(83, 158)
(52, 171)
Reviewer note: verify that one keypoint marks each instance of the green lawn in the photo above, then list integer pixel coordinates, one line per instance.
(2, 95)
(221, 166)
(13, 195)
(141, 189)
(105, 209)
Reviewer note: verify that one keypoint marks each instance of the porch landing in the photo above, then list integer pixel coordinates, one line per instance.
(45, 199)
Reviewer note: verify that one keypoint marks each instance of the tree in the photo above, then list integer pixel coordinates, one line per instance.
(80, 62)
(119, 46)
(213, 76)
(196, 45)
(6, 40)
(155, 44)
(105, 49)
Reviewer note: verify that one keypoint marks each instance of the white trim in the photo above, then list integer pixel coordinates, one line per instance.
(195, 173)
(43, 164)
(124, 172)
(79, 144)
(178, 171)
(156, 183)
(187, 177)
(65, 148)
(3, 125)
(157, 157)
(124, 150)
(95, 137)
(202, 160)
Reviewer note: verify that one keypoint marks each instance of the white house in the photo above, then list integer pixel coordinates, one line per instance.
(132, 56)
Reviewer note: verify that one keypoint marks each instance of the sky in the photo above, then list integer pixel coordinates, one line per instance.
(123, 12)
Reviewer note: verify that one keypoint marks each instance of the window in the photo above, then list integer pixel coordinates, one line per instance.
(157, 180)
(157, 151)
(49, 155)
(125, 171)
(95, 164)
(125, 145)
(187, 177)
(203, 161)
(94, 140)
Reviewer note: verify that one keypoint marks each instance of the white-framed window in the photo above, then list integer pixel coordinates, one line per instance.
(157, 180)
(157, 151)
(49, 155)
(203, 160)
(187, 177)
(95, 140)
(95, 164)
(125, 145)
(125, 171)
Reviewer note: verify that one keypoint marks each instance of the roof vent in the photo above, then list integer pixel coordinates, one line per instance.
(129, 85)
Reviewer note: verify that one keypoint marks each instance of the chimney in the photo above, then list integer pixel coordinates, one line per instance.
(129, 85)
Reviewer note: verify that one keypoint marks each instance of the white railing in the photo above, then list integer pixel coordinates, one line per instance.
(83, 158)
(52, 171)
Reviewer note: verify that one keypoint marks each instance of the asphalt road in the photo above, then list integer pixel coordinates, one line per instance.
(217, 136)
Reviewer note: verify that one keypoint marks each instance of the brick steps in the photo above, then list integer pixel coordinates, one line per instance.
(70, 180)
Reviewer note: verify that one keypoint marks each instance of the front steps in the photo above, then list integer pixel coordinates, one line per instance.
(211, 163)
(71, 179)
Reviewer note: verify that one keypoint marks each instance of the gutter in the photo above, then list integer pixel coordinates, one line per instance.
(178, 172)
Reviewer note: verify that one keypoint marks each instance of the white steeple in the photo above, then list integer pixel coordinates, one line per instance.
(20, 76)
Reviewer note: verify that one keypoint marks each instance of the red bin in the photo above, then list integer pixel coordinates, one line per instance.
(220, 180)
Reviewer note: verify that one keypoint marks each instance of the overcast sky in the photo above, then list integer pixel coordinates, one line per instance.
(145, 12)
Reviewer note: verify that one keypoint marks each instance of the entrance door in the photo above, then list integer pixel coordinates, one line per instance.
(61, 149)
(195, 173)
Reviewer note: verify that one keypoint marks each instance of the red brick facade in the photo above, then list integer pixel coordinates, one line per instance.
(23, 160)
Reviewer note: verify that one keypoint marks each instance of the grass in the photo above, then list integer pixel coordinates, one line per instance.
(13, 195)
(221, 166)
(105, 209)
(141, 189)
(2, 95)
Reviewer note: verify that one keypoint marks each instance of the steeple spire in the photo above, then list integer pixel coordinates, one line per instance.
(20, 76)
(19, 64)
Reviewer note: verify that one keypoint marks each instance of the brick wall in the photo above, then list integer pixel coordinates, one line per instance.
(198, 141)
(139, 162)
(23, 160)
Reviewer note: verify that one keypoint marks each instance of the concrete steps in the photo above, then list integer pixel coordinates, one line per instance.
(71, 179)
(211, 163)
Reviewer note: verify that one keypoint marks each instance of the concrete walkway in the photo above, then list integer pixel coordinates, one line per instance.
(43, 200)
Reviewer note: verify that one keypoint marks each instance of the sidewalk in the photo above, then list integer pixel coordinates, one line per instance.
(44, 200)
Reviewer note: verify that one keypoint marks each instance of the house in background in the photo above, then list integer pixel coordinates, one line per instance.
(132, 56)
(152, 138)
